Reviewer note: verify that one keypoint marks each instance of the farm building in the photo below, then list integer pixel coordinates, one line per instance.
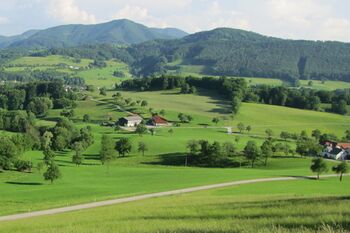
(130, 121)
(158, 121)
(335, 150)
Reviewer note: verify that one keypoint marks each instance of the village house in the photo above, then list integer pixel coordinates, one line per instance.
(158, 121)
(335, 150)
(130, 121)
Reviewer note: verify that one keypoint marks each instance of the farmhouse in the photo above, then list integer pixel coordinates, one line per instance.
(130, 121)
(158, 121)
(335, 150)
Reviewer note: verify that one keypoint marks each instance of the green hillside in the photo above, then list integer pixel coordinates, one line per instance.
(234, 52)
(114, 32)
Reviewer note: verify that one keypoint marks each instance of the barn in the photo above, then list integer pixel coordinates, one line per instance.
(130, 121)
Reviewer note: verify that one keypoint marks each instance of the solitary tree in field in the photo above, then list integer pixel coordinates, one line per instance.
(251, 152)
(241, 127)
(141, 129)
(190, 118)
(269, 133)
(249, 128)
(46, 140)
(142, 148)
(162, 112)
(48, 155)
(236, 103)
(316, 134)
(86, 118)
(284, 135)
(237, 139)
(216, 120)
(171, 131)
(266, 150)
(78, 153)
(318, 166)
(347, 135)
(103, 91)
(152, 131)
(107, 149)
(53, 172)
(341, 169)
(123, 146)
(144, 103)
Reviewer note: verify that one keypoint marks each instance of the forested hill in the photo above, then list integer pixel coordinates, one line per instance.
(115, 32)
(235, 52)
(5, 41)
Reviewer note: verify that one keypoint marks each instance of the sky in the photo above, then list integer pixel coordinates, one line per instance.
(292, 19)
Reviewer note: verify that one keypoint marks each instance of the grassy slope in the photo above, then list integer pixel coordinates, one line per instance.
(199, 71)
(135, 174)
(103, 77)
(290, 206)
(99, 77)
(49, 61)
(259, 116)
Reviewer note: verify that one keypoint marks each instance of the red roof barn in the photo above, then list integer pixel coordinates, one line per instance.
(159, 121)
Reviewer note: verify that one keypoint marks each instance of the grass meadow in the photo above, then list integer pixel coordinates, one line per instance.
(288, 206)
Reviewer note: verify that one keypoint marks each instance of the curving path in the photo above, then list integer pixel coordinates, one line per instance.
(146, 196)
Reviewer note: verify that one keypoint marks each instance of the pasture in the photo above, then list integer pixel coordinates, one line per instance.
(288, 206)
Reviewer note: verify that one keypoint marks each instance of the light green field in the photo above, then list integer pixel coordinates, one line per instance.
(103, 77)
(289, 206)
(138, 174)
(99, 77)
(49, 61)
(328, 85)
(97, 111)
(294, 120)
(203, 108)
(91, 182)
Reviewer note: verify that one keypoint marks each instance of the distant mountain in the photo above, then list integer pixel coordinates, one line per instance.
(170, 32)
(5, 41)
(115, 32)
(234, 52)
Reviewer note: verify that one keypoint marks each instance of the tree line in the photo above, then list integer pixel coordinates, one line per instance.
(237, 90)
(36, 97)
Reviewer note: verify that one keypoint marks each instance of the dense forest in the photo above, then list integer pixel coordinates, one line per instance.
(233, 52)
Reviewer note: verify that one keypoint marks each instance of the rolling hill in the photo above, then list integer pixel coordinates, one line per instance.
(5, 41)
(114, 32)
(234, 52)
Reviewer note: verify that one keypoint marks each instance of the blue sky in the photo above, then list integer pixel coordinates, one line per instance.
(295, 19)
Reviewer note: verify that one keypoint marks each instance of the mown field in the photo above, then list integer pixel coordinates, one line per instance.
(288, 206)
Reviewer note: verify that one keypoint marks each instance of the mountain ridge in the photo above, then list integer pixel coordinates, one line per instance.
(121, 31)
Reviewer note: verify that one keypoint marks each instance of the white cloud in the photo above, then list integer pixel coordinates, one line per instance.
(4, 20)
(68, 11)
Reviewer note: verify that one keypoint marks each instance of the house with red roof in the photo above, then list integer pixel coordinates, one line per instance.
(336, 150)
(159, 121)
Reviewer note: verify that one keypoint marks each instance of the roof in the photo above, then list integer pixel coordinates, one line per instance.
(159, 120)
(344, 146)
(336, 151)
(133, 118)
